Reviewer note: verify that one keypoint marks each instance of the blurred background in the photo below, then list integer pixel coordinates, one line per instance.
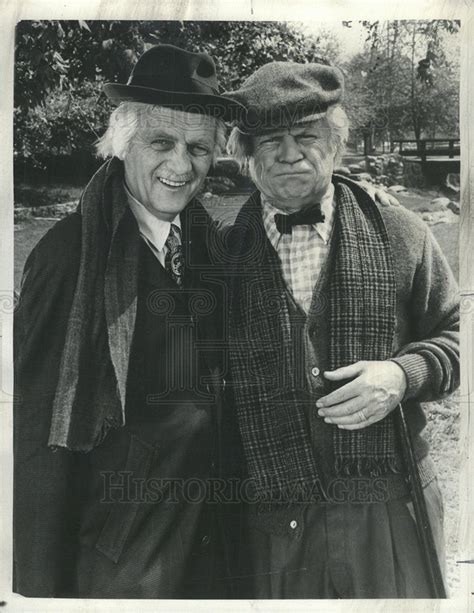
(402, 98)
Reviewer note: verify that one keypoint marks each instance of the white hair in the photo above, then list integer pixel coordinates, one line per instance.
(240, 144)
(123, 125)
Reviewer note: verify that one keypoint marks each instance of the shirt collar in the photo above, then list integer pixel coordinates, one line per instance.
(155, 230)
(322, 228)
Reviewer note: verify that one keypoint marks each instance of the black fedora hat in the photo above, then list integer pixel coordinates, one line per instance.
(168, 76)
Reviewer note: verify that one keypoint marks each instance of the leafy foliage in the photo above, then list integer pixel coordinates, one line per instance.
(64, 54)
(62, 65)
(406, 82)
(239, 48)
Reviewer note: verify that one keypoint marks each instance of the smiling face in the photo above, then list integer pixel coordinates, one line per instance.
(168, 159)
(292, 167)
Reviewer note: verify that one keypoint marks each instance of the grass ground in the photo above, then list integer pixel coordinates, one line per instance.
(443, 417)
(40, 195)
(27, 234)
(447, 234)
(442, 432)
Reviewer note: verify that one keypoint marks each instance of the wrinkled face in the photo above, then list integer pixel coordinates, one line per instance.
(168, 159)
(293, 166)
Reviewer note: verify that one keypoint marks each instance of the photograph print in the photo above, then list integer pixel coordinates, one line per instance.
(236, 331)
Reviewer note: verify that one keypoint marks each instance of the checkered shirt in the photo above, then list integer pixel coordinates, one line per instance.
(303, 252)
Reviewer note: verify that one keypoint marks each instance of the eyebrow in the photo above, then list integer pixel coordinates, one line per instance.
(159, 132)
(295, 131)
(261, 138)
(307, 128)
(165, 133)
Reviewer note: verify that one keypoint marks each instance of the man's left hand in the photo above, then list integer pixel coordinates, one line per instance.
(375, 390)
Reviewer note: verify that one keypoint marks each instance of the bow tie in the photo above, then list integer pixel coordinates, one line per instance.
(306, 217)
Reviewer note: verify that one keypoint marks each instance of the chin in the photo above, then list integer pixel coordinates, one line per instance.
(169, 202)
(296, 194)
(166, 213)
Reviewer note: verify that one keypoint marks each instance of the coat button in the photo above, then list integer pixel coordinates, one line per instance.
(315, 371)
(206, 539)
(293, 524)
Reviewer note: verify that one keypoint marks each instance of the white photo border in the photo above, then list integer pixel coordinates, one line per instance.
(13, 11)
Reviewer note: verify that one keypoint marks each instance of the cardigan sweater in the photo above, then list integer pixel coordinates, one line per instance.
(425, 343)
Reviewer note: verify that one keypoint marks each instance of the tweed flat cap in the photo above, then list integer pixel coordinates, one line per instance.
(281, 93)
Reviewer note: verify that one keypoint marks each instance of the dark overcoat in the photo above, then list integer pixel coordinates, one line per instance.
(70, 538)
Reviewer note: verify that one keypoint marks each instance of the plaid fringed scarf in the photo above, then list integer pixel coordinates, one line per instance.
(270, 402)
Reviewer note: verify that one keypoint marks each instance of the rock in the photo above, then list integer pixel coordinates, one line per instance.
(219, 185)
(438, 217)
(49, 211)
(454, 207)
(55, 211)
(21, 214)
(354, 168)
(441, 219)
(394, 162)
(356, 177)
(362, 165)
(383, 180)
(365, 176)
(342, 170)
(440, 202)
(395, 189)
(226, 167)
(453, 181)
(427, 217)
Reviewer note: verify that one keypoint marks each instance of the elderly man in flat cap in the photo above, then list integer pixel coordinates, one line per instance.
(117, 357)
(340, 310)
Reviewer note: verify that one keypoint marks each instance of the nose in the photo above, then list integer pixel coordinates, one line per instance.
(181, 163)
(289, 150)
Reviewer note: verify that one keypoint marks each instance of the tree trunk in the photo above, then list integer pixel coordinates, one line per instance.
(368, 143)
(414, 113)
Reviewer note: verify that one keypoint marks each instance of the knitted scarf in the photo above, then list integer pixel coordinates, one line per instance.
(91, 392)
(361, 298)
(90, 395)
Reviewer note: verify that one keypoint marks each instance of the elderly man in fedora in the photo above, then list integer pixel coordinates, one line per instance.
(117, 357)
(340, 310)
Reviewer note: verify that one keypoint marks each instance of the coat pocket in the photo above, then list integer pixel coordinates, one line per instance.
(119, 521)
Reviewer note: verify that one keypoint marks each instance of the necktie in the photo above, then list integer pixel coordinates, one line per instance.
(308, 216)
(174, 259)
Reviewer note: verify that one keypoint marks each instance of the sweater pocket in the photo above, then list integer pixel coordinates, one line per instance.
(121, 517)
